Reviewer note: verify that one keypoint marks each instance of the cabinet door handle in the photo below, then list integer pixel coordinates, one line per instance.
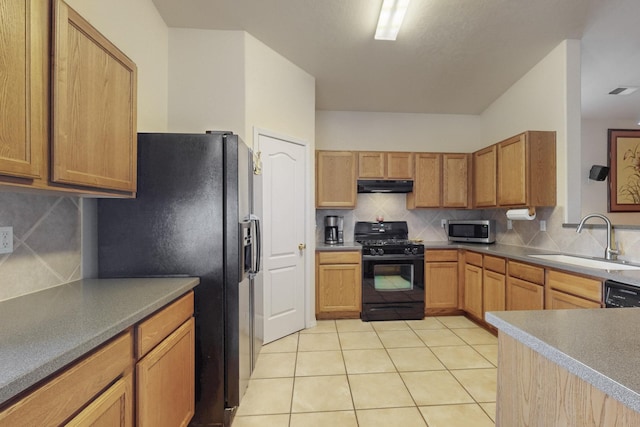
(302, 246)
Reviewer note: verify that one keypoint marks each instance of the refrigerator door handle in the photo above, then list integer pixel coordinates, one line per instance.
(258, 243)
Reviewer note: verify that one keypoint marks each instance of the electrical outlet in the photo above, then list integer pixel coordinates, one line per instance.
(543, 225)
(509, 224)
(443, 223)
(6, 240)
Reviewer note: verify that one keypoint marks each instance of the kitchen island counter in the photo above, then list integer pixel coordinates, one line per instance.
(44, 331)
(593, 345)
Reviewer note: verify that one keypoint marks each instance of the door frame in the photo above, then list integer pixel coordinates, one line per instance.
(309, 218)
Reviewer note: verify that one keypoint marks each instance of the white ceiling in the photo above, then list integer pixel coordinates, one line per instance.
(451, 56)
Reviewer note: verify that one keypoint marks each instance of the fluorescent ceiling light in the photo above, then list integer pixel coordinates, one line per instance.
(390, 20)
(624, 90)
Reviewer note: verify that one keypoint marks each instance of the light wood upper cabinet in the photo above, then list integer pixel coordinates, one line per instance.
(427, 185)
(24, 87)
(385, 165)
(94, 141)
(455, 180)
(484, 177)
(527, 170)
(440, 181)
(336, 177)
(371, 165)
(399, 166)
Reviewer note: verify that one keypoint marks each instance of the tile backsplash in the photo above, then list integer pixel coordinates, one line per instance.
(46, 242)
(425, 224)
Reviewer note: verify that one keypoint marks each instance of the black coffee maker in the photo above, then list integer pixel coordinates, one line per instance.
(333, 229)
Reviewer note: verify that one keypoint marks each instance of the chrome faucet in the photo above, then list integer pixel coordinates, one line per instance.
(609, 252)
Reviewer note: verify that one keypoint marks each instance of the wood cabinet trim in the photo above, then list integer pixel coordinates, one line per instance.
(339, 257)
(580, 286)
(473, 258)
(161, 324)
(527, 272)
(441, 255)
(496, 264)
(561, 300)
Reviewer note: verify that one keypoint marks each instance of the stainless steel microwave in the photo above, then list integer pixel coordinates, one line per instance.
(472, 231)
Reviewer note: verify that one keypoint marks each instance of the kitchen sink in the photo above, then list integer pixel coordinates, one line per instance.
(599, 264)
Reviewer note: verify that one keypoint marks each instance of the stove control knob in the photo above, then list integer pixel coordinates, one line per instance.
(414, 251)
(380, 251)
(407, 251)
(372, 251)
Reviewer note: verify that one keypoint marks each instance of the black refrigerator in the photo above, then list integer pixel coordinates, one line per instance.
(193, 216)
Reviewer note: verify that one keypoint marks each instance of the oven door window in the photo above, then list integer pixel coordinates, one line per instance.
(393, 277)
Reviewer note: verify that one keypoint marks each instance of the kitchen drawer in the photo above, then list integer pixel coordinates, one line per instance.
(441, 255)
(64, 394)
(350, 257)
(526, 272)
(493, 263)
(584, 287)
(156, 328)
(473, 258)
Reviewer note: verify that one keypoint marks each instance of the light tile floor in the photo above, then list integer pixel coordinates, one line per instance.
(435, 372)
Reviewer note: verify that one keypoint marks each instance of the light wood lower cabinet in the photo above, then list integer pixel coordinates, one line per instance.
(114, 407)
(97, 390)
(62, 396)
(566, 290)
(473, 290)
(441, 281)
(165, 383)
(525, 286)
(523, 295)
(493, 284)
(338, 285)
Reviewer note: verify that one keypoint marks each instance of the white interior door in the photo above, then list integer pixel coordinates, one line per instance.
(283, 194)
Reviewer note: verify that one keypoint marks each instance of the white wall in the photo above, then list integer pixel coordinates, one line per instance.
(546, 98)
(206, 81)
(279, 95)
(339, 130)
(138, 30)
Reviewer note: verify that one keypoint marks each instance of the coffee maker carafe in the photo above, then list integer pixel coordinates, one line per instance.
(332, 229)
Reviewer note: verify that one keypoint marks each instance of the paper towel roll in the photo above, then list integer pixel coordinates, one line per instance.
(521, 214)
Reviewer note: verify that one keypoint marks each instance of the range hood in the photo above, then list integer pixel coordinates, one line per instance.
(384, 186)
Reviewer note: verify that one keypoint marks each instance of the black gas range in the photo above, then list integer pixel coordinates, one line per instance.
(392, 271)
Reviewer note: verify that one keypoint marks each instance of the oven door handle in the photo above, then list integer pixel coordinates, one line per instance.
(409, 258)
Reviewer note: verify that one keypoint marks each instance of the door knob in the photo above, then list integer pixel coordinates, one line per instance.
(302, 246)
